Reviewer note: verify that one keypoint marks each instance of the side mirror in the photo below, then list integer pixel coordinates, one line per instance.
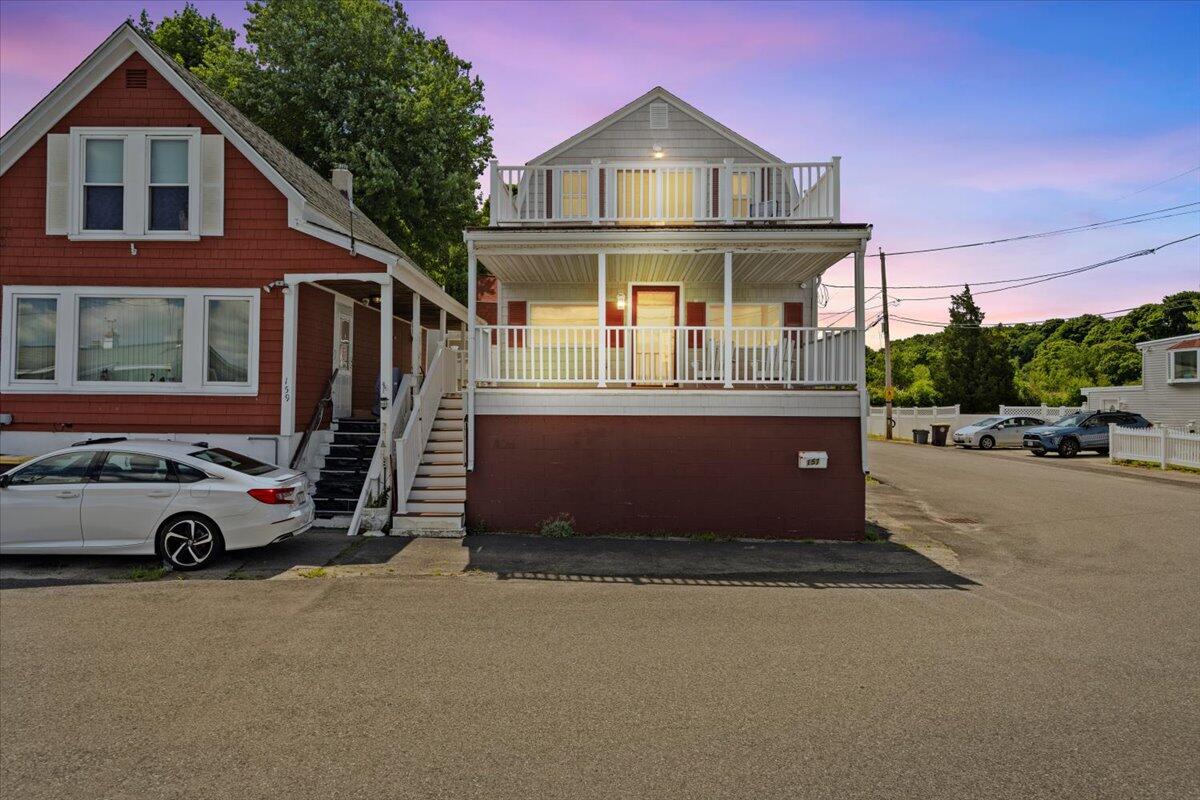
(5, 480)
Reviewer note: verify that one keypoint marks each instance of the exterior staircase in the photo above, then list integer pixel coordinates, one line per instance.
(344, 471)
(437, 503)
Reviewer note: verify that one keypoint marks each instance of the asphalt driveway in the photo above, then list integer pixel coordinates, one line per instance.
(1055, 655)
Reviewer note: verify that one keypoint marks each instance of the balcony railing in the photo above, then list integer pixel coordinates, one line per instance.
(666, 192)
(665, 356)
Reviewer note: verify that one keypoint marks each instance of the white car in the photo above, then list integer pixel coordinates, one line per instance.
(185, 502)
(992, 432)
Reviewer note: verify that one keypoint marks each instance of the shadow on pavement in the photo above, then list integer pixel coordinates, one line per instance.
(318, 547)
(796, 564)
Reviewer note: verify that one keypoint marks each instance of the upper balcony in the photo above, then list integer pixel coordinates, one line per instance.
(666, 193)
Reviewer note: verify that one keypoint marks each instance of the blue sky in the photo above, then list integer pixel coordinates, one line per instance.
(956, 121)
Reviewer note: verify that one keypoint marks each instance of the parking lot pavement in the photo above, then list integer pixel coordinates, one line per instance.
(1098, 464)
(1061, 661)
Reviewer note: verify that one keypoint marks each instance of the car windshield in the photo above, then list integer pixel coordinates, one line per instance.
(983, 423)
(1071, 420)
(235, 461)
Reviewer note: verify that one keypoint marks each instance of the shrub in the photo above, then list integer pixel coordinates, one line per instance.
(560, 527)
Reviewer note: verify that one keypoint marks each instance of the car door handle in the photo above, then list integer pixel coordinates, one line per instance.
(159, 494)
(66, 495)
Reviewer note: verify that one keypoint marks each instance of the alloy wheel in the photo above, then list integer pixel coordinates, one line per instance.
(189, 543)
(987, 443)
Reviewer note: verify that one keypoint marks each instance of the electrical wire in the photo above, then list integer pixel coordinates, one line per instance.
(1160, 183)
(934, 324)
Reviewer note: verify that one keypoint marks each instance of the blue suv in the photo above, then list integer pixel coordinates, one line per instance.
(1086, 430)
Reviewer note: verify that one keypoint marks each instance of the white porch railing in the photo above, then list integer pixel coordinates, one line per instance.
(398, 411)
(641, 355)
(1162, 446)
(666, 191)
(440, 378)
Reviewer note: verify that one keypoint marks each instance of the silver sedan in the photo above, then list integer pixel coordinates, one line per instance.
(1003, 431)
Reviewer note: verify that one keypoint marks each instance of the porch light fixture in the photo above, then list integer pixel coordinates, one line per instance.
(620, 301)
(658, 151)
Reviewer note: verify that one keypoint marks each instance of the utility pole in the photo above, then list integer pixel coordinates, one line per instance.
(888, 390)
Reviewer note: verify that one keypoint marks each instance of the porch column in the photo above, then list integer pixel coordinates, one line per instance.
(442, 325)
(417, 367)
(472, 289)
(602, 312)
(386, 390)
(860, 341)
(727, 338)
(287, 393)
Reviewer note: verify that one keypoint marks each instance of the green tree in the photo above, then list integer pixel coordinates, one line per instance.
(189, 36)
(353, 82)
(975, 369)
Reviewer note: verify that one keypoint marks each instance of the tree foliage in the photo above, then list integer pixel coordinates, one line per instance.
(1049, 362)
(353, 82)
(974, 367)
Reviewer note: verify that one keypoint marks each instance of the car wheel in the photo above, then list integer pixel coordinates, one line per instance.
(1037, 451)
(189, 542)
(987, 443)
(1068, 448)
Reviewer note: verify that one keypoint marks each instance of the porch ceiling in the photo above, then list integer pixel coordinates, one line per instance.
(770, 267)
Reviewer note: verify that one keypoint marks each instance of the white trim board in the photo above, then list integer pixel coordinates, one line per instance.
(666, 402)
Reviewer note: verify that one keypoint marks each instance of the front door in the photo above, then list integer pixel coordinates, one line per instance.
(655, 316)
(343, 358)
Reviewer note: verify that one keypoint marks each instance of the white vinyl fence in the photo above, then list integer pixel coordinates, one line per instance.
(1165, 447)
(1048, 413)
(920, 418)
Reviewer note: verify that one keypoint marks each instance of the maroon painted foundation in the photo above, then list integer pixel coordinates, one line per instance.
(658, 475)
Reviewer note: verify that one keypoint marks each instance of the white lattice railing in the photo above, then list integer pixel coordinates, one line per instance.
(440, 378)
(1162, 446)
(520, 354)
(666, 191)
(1043, 411)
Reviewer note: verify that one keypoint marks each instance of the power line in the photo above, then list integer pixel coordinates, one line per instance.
(934, 324)
(1160, 183)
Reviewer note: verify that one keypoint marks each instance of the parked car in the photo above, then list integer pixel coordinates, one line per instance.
(1083, 430)
(1005, 431)
(184, 502)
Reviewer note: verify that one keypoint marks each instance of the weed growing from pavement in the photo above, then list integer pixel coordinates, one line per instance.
(560, 527)
(141, 573)
(876, 533)
(314, 572)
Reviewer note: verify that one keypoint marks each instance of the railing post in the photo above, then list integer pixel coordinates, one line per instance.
(472, 290)
(727, 190)
(494, 192)
(386, 392)
(594, 191)
(602, 317)
(836, 189)
(727, 338)
(417, 366)
(860, 342)
(1164, 434)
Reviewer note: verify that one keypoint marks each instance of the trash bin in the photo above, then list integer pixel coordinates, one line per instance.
(939, 434)
(920, 436)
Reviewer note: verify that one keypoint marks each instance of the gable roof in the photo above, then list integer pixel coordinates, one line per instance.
(290, 174)
(657, 93)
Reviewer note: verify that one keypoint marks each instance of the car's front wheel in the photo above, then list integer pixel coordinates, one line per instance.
(189, 542)
(1037, 451)
(987, 443)
(1068, 448)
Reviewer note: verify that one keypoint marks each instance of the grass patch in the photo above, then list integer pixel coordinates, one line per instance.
(875, 437)
(150, 573)
(1154, 465)
(560, 527)
(876, 533)
(872, 479)
(313, 572)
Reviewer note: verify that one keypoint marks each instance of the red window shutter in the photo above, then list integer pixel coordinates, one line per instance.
(602, 181)
(549, 194)
(717, 211)
(518, 312)
(487, 311)
(793, 315)
(696, 315)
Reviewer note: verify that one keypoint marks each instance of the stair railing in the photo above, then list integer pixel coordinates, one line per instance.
(441, 378)
(314, 421)
(373, 485)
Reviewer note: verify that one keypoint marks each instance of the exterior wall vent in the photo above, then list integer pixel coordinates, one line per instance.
(135, 79)
(658, 116)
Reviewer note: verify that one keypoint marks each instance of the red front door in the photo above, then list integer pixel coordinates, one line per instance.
(655, 322)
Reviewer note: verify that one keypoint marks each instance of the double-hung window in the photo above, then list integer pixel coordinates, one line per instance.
(1183, 365)
(135, 183)
(132, 340)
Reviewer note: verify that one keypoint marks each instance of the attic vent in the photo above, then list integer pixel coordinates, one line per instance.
(658, 116)
(135, 79)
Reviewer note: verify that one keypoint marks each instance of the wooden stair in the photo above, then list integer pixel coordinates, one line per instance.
(437, 502)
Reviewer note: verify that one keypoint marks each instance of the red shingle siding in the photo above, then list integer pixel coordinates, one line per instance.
(258, 247)
(664, 474)
(314, 351)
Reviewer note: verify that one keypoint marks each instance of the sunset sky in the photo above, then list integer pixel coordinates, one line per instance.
(956, 122)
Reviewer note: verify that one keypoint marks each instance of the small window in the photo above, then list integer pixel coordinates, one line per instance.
(134, 468)
(234, 461)
(104, 184)
(659, 116)
(187, 474)
(228, 330)
(37, 329)
(62, 468)
(1183, 366)
(168, 204)
(563, 315)
(130, 339)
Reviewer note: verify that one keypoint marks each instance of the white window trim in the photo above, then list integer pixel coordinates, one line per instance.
(1171, 366)
(195, 338)
(136, 164)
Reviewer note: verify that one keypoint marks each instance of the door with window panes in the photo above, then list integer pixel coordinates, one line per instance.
(343, 359)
